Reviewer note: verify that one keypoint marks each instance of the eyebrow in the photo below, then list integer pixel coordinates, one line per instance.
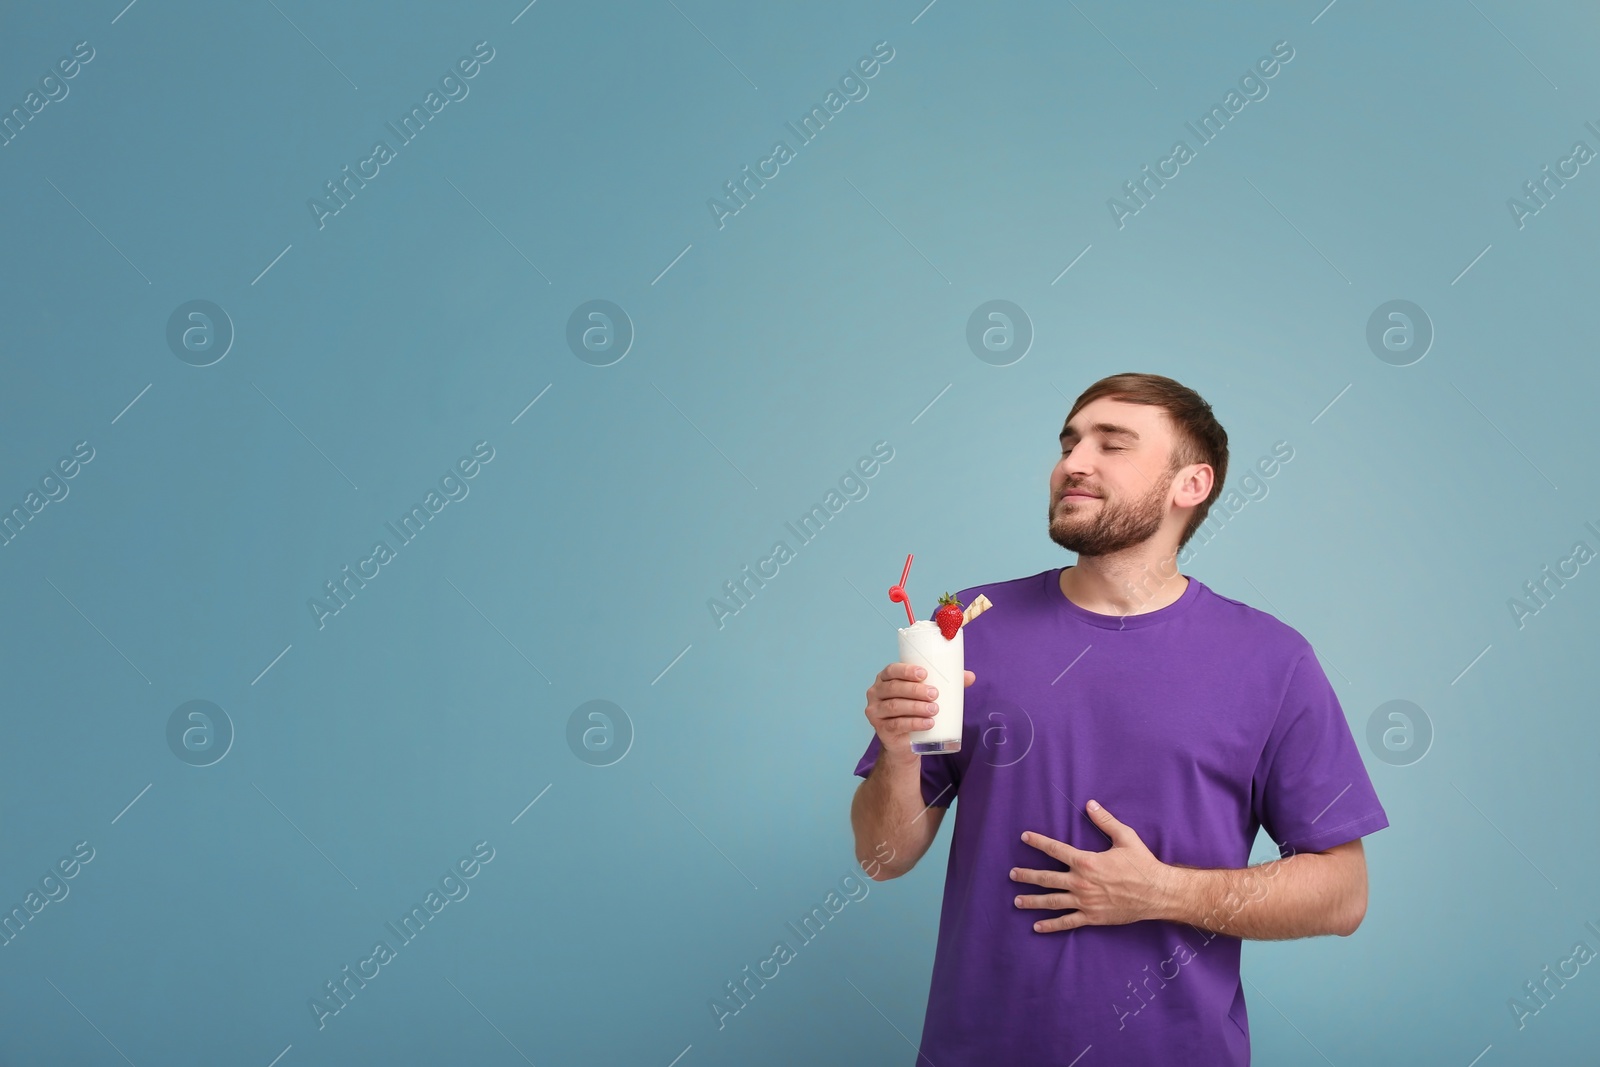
(1106, 429)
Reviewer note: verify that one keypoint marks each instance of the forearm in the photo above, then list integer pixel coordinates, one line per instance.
(1304, 895)
(892, 826)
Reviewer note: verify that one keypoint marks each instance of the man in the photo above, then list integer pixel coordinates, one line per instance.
(1191, 718)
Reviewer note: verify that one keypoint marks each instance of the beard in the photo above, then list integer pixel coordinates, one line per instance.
(1115, 527)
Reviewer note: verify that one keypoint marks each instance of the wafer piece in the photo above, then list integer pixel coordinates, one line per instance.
(976, 608)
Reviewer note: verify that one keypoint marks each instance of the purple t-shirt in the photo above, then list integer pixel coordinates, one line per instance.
(1194, 724)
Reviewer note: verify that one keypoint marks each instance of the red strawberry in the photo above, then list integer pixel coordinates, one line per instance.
(948, 616)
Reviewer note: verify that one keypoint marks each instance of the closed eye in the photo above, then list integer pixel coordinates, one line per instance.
(1108, 448)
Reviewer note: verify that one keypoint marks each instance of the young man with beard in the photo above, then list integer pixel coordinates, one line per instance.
(1191, 718)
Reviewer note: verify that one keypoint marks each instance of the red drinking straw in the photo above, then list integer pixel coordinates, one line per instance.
(897, 593)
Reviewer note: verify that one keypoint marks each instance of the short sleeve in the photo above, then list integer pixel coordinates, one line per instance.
(940, 776)
(1311, 790)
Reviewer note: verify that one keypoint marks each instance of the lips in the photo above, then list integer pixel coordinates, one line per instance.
(1076, 495)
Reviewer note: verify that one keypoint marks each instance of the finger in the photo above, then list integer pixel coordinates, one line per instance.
(909, 690)
(897, 707)
(1049, 845)
(1119, 832)
(907, 671)
(970, 677)
(1048, 879)
(897, 722)
(1047, 901)
(1070, 921)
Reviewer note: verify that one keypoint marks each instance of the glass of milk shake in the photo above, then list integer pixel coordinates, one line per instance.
(925, 645)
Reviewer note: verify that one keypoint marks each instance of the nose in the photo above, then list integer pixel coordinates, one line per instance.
(1075, 463)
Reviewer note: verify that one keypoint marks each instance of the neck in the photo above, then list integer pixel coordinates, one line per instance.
(1124, 583)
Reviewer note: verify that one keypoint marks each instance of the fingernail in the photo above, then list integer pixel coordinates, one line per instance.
(921, 674)
(1017, 901)
(1093, 806)
(932, 692)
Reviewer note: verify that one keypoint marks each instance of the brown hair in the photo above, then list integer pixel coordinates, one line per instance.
(1200, 437)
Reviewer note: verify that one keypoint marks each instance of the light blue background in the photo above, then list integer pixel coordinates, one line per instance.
(774, 352)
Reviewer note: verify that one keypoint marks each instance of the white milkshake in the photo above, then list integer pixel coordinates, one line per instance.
(923, 644)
